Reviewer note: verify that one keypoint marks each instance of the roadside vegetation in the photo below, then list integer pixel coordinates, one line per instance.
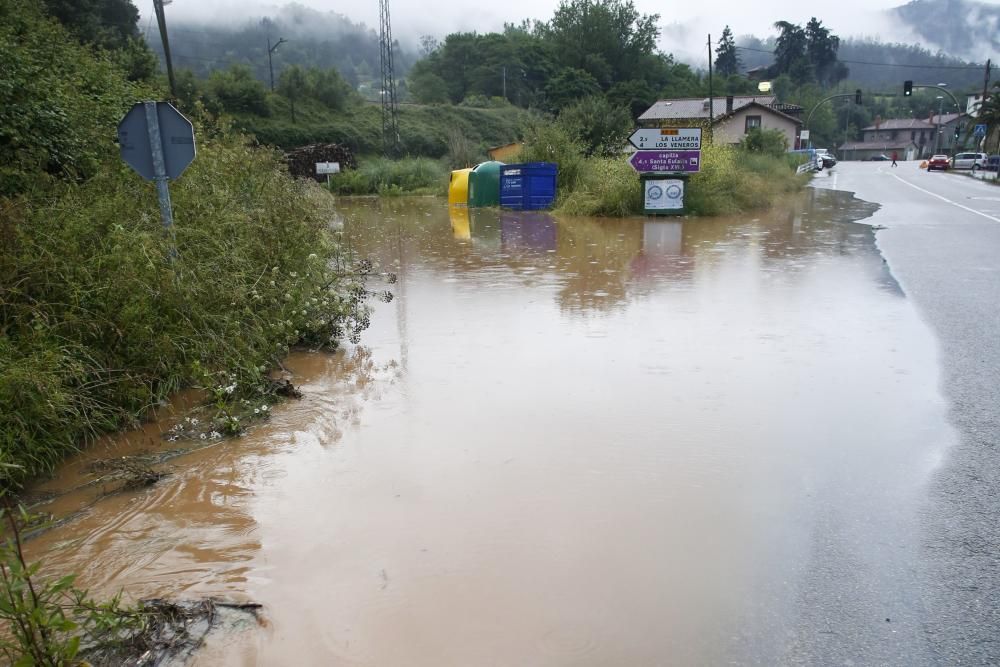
(102, 313)
(595, 181)
(384, 177)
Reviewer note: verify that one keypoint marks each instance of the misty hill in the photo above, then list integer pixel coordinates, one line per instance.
(313, 39)
(876, 65)
(964, 28)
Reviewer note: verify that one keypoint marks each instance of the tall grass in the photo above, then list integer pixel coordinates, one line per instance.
(731, 179)
(100, 317)
(382, 176)
(607, 187)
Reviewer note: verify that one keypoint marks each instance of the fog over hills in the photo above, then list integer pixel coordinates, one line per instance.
(938, 34)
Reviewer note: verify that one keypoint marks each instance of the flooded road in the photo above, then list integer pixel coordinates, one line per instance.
(566, 441)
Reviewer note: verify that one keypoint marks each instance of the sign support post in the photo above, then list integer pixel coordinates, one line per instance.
(159, 166)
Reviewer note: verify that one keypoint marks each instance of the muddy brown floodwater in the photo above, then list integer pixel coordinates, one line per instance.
(565, 441)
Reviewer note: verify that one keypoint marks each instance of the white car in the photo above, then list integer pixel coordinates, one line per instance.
(969, 161)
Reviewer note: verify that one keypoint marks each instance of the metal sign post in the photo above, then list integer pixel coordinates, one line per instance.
(159, 165)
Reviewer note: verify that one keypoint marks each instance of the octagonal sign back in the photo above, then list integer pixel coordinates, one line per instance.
(176, 136)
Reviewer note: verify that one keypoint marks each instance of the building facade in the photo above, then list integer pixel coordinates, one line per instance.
(732, 117)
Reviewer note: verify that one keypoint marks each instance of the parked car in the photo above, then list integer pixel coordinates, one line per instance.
(968, 161)
(942, 162)
(992, 163)
(879, 158)
(826, 158)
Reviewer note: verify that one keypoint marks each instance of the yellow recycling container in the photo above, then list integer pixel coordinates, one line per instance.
(460, 227)
(458, 188)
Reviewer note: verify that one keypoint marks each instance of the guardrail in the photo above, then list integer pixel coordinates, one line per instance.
(816, 164)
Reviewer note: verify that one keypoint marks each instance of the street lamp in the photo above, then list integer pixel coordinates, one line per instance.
(937, 137)
(270, 50)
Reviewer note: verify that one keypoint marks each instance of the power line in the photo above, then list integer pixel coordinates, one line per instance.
(873, 64)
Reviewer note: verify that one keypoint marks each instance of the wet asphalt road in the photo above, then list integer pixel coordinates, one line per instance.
(942, 243)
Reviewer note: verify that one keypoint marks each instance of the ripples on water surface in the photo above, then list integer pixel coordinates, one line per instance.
(566, 441)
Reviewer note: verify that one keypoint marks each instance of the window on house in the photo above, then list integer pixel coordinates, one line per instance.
(913, 135)
(752, 122)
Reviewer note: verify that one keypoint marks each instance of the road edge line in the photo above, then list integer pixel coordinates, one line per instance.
(945, 199)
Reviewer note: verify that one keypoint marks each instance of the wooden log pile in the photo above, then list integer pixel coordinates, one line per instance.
(302, 161)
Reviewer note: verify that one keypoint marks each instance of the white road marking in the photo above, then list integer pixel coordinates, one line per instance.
(945, 199)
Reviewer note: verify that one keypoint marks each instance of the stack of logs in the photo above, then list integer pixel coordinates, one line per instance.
(302, 161)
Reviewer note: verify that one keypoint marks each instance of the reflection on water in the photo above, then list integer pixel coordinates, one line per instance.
(566, 441)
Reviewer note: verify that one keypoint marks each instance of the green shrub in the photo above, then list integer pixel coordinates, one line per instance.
(546, 141)
(767, 142)
(97, 324)
(733, 180)
(609, 187)
(392, 177)
(602, 127)
(58, 101)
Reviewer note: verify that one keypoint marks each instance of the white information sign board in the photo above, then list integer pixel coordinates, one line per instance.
(664, 194)
(667, 138)
(327, 168)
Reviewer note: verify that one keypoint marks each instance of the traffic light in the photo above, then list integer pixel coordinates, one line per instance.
(907, 88)
(857, 96)
(958, 132)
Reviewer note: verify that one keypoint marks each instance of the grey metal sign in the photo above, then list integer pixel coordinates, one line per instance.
(176, 136)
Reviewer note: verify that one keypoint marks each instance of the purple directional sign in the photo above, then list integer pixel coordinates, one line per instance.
(666, 161)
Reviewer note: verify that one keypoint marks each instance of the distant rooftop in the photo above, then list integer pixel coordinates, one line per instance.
(898, 144)
(901, 124)
(697, 107)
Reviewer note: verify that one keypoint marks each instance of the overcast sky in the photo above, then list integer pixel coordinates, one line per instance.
(684, 26)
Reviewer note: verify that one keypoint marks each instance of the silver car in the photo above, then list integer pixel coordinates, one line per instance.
(969, 161)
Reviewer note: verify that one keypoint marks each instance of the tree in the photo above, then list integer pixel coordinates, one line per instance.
(727, 61)
(602, 126)
(328, 87)
(790, 53)
(237, 90)
(427, 87)
(605, 38)
(293, 85)
(568, 86)
(821, 50)
(106, 23)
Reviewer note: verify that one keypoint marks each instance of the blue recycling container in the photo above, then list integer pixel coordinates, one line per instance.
(529, 187)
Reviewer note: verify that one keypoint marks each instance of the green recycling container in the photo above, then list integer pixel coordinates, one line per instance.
(484, 184)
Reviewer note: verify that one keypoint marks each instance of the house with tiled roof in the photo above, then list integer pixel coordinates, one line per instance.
(731, 116)
(896, 134)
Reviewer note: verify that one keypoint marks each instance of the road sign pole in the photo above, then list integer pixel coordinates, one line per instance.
(159, 166)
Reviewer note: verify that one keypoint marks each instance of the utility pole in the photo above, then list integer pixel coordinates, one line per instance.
(390, 111)
(986, 91)
(161, 22)
(270, 50)
(505, 83)
(711, 102)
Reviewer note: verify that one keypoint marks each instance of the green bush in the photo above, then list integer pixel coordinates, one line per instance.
(98, 323)
(59, 101)
(608, 187)
(546, 141)
(732, 180)
(391, 177)
(767, 142)
(603, 127)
